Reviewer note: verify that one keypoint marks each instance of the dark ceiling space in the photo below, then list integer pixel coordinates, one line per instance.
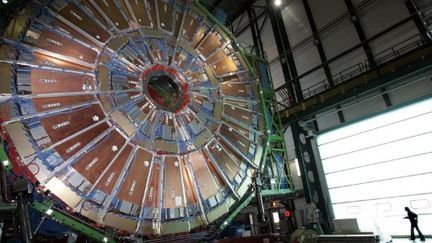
(233, 8)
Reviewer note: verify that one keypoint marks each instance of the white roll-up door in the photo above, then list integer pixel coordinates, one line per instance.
(377, 166)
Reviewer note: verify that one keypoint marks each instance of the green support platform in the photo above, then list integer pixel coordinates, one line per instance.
(273, 148)
(275, 157)
(77, 225)
(4, 159)
(232, 214)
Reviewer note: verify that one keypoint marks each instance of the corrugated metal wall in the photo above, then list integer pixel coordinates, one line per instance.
(338, 34)
(385, 22)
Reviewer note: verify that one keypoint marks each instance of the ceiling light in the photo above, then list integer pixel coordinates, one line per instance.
(105, 239)
(278, 2)
(5, 1)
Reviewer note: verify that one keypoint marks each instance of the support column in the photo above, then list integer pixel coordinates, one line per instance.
(259, 30)
(340, 114)
(256, 35)
(258, 187)
(386, 97)
(317, 42)
(417, 20)
(366, 47)
(286, 58)
(360, 32)
(310, 174)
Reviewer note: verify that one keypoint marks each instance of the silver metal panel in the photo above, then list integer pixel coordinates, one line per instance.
(306, 58)
(296, 22)
(381, 14)
(341, 38)
(325, 11)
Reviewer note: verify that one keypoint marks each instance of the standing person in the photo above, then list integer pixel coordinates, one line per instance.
(414, 224)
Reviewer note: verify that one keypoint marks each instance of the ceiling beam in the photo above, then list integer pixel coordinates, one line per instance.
(240, 10)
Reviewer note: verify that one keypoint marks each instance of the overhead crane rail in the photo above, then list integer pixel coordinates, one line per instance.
(409, 51)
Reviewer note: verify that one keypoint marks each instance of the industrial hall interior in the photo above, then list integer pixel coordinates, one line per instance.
(231, 121)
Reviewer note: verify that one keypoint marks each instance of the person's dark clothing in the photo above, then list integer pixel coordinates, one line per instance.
(414, 224)
(412, 217)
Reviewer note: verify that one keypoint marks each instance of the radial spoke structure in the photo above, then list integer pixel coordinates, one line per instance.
(139, 115)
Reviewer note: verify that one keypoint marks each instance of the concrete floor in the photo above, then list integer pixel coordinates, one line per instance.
(408, 240)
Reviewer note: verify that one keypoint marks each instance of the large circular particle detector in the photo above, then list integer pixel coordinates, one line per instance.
(139, 115)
